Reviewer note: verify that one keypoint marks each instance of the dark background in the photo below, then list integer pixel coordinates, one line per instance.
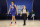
(3, 10)
(36, 8)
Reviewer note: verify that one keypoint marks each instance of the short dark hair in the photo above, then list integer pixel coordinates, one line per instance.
(13, 1)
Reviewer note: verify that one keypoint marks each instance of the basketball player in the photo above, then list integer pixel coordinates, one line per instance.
(14, 9)
(24, 14)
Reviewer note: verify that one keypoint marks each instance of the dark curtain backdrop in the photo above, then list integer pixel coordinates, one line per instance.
(3, 6)
(3, 9)
(36, 7)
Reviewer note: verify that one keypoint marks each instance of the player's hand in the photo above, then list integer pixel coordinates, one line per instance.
(17, 13)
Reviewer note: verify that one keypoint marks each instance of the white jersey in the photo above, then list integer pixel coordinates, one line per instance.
(24, 10)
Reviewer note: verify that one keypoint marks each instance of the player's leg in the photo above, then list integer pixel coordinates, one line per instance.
(14, 19)
(25, 19)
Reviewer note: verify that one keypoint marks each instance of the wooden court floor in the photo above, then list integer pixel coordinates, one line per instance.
(19, 23)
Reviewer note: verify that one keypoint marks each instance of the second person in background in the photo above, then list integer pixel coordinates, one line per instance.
(24, 14)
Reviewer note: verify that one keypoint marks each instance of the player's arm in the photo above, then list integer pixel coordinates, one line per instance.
(9, 9)
(16, 9)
